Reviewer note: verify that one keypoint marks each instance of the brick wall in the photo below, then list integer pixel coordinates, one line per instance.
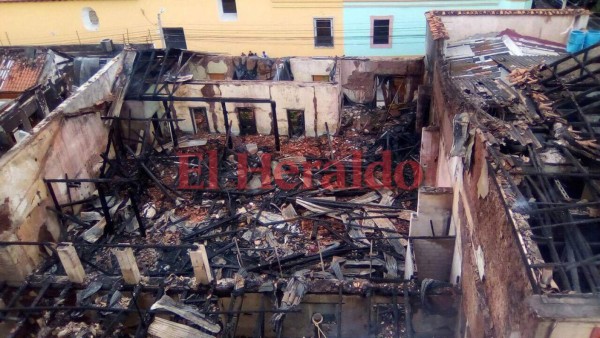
(505, 285)
(495, 305)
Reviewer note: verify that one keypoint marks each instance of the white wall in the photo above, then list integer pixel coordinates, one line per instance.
(304, 68)
(321, 103)
(548, 27)
(59, 145)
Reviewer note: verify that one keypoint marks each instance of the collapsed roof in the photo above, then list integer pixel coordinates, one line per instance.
(536, 107)
(152, 242)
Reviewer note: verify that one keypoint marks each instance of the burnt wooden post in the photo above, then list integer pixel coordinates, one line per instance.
(53, 195)
(329, 141)
(423, 103)
(136, 211)
(171, 126)
(227, 126)
(275, 126)
(110, 227)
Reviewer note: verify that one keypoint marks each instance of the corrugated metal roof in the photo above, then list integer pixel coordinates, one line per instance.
(512, 62)
(467, 68)
(480, 48)
(482, 55)
(19, 73)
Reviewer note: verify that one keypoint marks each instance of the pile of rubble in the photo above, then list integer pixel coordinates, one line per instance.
(529, 80)
(530, 77)
(325, 232)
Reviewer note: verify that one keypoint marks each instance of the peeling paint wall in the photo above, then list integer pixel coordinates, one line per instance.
(358, 76)
(203, 66)
(303, 69)
(321, 103)
(551, 27)
(59, 145)
(485, 243)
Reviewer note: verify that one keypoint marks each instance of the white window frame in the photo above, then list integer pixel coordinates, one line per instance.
(315, 31)
(227, 16)
(390, 18)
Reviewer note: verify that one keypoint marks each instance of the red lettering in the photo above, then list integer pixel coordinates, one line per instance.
(185, 170)
(416, 171)
(280, 171)
(386, 167)
(264, 170)
(356, 169)
(336, 179)
(213, 169)
(307, 176)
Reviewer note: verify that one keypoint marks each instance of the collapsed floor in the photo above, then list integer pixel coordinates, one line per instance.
(324, 257)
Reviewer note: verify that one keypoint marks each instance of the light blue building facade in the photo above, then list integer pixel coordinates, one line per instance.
(397, 28)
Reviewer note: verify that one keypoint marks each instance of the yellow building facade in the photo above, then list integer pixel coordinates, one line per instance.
(278, 27)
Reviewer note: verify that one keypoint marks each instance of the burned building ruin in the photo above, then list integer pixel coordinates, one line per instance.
(117, 226)
(187, 194)
(514, 123)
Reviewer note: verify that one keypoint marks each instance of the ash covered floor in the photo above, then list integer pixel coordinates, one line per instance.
(317, 254)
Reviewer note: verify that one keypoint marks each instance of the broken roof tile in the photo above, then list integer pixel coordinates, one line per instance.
(19, 73)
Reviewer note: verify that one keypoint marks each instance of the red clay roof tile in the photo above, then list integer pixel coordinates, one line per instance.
(17, 73)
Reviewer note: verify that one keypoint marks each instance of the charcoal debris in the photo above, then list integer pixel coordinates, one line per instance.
(185, 311)
(321, 233)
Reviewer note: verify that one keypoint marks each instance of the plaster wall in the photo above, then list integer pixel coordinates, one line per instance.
(433, 209)
(203, 66)
(321, 103)
(554, 28)
(433, 257)
(358, 76)
(55, 150)
(304, 68)
(278, 27)
(60, 145)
